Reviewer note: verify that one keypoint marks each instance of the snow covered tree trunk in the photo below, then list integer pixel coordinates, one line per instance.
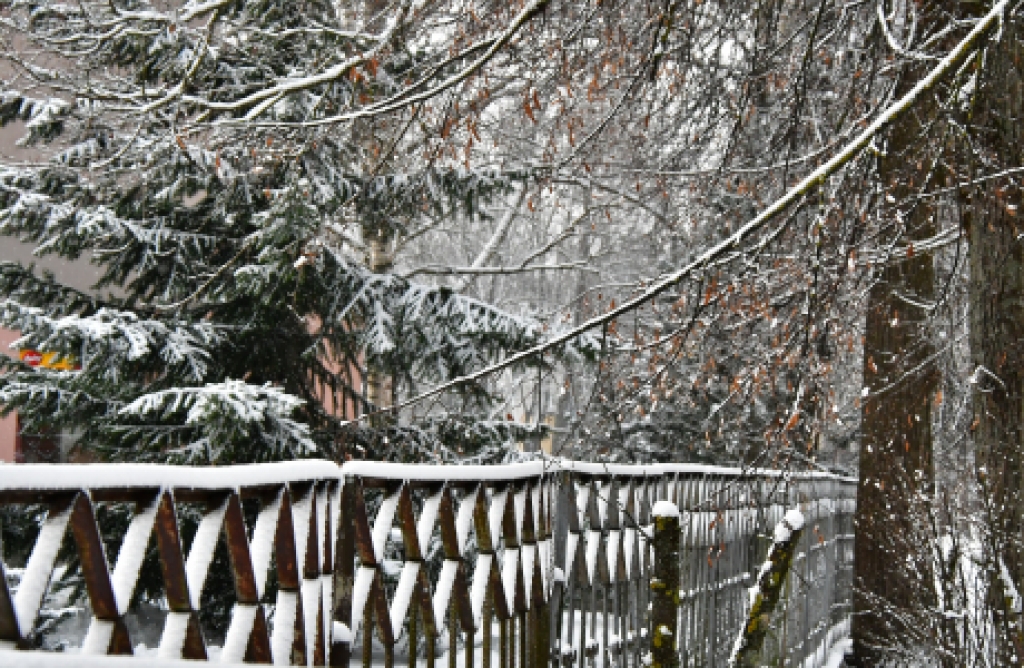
(377, 378)
(771, 581)
(377, 239)
(997, 332)
(665, 586)
(896, 423)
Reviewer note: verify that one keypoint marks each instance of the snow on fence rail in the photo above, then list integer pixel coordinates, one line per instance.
(512, 566)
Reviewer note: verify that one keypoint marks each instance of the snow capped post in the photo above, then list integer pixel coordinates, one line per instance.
(665, 586)
(766, 593)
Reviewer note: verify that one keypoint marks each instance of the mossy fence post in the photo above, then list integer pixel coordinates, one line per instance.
(769, 590)
(665, 586)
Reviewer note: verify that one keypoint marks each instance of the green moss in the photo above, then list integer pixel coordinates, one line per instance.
(662, 523)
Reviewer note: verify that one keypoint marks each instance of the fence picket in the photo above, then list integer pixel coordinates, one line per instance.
(557, 554)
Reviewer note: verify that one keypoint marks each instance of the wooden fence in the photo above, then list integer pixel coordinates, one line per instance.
(509, 566)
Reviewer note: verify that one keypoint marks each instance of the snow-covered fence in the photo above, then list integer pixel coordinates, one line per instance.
(509, 566)
(292, 535)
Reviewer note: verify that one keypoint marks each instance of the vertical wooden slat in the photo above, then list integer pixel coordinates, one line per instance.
(93, 559)
(257, 649)
(367, 629)
(571, 608)
(553, 619)
(189, 644)
(413, 635)
(586, 597)
(533, 643)
(107, 632)
(344, 570)
(431, 650)
(8, 621)
(237, 540)
(524, 652)
(605, 625)
(503, 643)
(488, 621)
(453, 638)
(172, 563)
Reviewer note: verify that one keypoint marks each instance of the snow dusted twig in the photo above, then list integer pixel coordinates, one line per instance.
(487, 252)
(264, 98)
(735, 242)
(391, 104)
(467, 272)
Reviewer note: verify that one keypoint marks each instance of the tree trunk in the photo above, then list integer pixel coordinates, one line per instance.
(895, 459)
(997, 330)
(896, 425)
(378, 387)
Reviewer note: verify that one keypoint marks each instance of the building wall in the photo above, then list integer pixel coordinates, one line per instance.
(9, 424)
(80, 274)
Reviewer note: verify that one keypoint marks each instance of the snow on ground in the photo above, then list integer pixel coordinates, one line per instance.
(441, 660)
(836, 654)
(829, 654)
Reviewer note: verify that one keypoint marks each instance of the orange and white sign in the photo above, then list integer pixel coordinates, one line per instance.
(48, 360)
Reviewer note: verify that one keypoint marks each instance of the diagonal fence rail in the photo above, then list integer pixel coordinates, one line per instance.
(513, 566)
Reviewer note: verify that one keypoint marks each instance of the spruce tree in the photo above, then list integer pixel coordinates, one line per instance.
(236, 318)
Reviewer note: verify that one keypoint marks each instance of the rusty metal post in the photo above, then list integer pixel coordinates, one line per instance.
(665, 586)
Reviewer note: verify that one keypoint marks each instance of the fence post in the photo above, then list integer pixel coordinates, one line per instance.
(770, 582)
(665, 586)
